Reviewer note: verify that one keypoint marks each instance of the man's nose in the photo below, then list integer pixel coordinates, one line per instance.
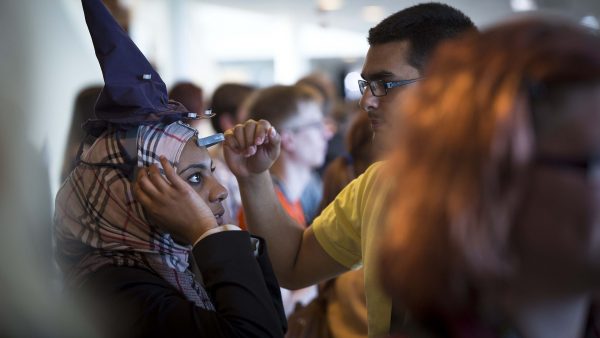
(368, 101)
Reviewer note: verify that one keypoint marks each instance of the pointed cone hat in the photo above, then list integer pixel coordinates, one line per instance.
(133, 92)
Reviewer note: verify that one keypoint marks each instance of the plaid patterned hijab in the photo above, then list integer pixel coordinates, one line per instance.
(98, 221)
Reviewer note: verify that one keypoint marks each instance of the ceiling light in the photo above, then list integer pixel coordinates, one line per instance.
(329, 5)
(590, 21)
(373, 14)
(523, 5)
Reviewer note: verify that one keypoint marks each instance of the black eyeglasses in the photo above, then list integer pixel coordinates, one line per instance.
(315, 124)
(380, 87)
(587, 165)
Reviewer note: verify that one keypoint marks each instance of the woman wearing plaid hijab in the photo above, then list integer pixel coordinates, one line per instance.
(149, 279)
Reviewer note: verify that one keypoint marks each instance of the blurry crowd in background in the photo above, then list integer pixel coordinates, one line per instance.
(494, 210)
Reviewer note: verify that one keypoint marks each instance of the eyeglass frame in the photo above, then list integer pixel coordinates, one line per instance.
(314, 124)
(586, 164)
(362, 84)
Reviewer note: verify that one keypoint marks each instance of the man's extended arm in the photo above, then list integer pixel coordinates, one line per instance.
(298, 259)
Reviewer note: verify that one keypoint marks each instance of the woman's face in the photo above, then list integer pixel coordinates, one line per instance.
(558, 230)
(196, 168)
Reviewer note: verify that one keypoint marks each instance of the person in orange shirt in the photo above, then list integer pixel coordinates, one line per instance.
(293, 208)
(297, 113)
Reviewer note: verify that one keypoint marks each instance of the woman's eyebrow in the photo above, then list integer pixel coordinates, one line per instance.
(194, 166)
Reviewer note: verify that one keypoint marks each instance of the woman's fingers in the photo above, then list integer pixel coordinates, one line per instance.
(144, 184)
(171, 175)
(157, 179)
(143, 198)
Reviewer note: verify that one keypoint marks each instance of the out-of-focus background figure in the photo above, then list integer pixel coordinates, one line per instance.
(296, 112)
(360, 154)
(192, 97)
(82, 111)
(331, 101)
(495, 226)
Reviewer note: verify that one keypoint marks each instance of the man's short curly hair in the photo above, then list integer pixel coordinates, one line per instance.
(423, 26)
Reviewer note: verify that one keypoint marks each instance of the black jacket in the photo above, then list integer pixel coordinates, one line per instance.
(136, 302)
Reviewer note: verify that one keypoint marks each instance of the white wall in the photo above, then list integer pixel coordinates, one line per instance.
(209, 34)
(43, 62)
(50, 59)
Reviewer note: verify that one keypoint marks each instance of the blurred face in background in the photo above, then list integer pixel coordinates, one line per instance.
(306, 135)
(385, 62)
(557, 233)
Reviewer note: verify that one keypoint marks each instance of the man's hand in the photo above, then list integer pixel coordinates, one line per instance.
(172, 203)
(251, 148)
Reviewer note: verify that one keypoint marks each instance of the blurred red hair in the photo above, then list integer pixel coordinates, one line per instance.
(467, 140)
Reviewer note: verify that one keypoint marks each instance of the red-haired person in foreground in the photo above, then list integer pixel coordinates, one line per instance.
(495, 226)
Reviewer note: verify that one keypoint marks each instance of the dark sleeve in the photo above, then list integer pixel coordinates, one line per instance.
(272, 284)
(145, 305)
(242, 286)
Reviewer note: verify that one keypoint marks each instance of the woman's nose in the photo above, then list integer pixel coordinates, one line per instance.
(218, 192)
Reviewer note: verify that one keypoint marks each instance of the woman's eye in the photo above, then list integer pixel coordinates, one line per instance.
(195, 178)
(212, 170)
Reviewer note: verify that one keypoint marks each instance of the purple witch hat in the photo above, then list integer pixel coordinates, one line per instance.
(133, 92)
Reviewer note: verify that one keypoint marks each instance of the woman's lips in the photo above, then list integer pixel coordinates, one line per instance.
(219, 217)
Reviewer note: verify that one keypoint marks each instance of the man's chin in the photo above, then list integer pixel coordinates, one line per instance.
(383, 142)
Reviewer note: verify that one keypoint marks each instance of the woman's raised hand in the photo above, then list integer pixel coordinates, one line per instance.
(172, 204)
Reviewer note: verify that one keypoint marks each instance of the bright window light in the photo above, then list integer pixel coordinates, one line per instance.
(523, 5)
(590, 21)
(351, 85)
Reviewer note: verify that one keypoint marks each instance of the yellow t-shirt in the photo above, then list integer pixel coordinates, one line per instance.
(347, 230)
